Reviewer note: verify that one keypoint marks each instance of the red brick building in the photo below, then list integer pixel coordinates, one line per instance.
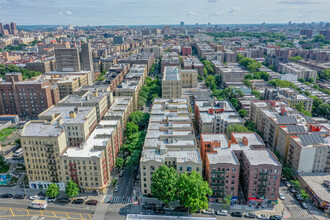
(26, 98)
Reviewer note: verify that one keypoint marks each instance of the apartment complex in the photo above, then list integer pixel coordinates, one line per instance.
(189, 78)
(193, 63)
(297, 69)
(66, 143)
(139, 58)
(41, 66)
(215, 117)
(133, 83)
(309, 153)
(26, 98)
(171, 83)
(244, 161)
(170, 59)
(170, 141)
(116, 75)
(289, 95)
(232, 73)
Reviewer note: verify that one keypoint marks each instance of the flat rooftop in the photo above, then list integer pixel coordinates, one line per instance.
(315, 182)
(223, 157)
(172, 73)
(259, 157)
(40, 129)
(182, 156)
(80, 117)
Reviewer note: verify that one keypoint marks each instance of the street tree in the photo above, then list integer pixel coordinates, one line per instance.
(53, 190)
(164, 184)
(193, 191)
(71, 189)
(131, 128)
(120, 162)
(242, 113)
(227, 200)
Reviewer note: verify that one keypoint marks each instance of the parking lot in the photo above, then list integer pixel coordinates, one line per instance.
(7, 212)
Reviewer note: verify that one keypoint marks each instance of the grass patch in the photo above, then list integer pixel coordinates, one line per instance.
(6, 132)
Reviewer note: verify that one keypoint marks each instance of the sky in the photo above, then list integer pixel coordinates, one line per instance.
(153, 12)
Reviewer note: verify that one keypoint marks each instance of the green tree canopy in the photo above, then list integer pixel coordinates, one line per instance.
(325, 74)
(120, 162)
(164, 184)
(72, 189)
(235, 128)
(324, 110)
(53, 190)
(242, 113)
(131, 128)
(193, 191)
(296, 58)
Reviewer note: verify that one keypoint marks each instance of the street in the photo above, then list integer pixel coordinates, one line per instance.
(17, 209)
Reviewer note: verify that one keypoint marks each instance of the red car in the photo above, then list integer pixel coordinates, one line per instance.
(91, 202)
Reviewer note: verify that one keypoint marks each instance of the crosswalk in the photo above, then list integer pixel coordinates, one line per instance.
(300, 214)
(120, 199)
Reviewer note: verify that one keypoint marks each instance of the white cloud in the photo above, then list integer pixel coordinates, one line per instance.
(233, 10)
(68, 12)
(192, 14)
(60, 14)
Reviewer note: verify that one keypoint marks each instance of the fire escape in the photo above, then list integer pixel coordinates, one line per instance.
(52, 163)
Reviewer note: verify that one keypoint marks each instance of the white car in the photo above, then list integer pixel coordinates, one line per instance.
(264, 217)
(50, 199)
(222, 212)
(168, 208)
(34, 197)
(208, 211)
(281, 196)
(116, 189)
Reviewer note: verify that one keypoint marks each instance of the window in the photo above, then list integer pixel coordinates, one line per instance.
(188, 169)
(180, 168)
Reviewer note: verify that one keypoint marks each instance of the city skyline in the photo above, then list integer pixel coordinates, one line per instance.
(159, 12)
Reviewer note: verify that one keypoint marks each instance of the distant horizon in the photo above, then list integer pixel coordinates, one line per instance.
(157, 12)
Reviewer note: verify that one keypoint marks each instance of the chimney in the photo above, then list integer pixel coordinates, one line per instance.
(72, 114)
(245, 141)
(283, 111)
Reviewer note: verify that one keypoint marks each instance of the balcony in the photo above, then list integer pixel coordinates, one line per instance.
(261, 190)
(218, 184)
(217, 172)
(219, 178)
(263, 173)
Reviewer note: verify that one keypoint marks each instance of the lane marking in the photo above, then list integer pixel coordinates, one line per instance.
(90, 217)
(28, 212)
(81, 216)
(54, 213)
(12, 212)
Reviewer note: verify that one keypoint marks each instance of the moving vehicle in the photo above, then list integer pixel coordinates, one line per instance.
(18, 153)
(222, 212)
(78, 201)
(91, 202)
(275, 217)
(237, 214)
(264, 217)
(116, 189)
(209, 211)
(38, 204)
(19, 196)
(298, 196)
(281, 196)
(168, 207)
(250, 215)
(7, 196)
(287, 184)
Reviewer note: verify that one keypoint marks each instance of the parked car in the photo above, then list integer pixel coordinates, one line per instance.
(281, 196)
(149, 206)
(222, 212)
(293, 190)
(209, 211)
(34, 197)
(121, 173)
(78, 201)
(159, 211)
(298, 196)
(116, 189)
(287, 184)
(91, 202)
(48, 199)
(275, 217)
(42, 194)
(7, 196)
(236, 214)
(19, 196)
(303, 204)
(283, 178)
(250, 215)
(263, 217)
(181, 209)
(168, 207)
(63, 201)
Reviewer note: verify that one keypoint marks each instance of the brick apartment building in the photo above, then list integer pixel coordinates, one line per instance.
(26, 98)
